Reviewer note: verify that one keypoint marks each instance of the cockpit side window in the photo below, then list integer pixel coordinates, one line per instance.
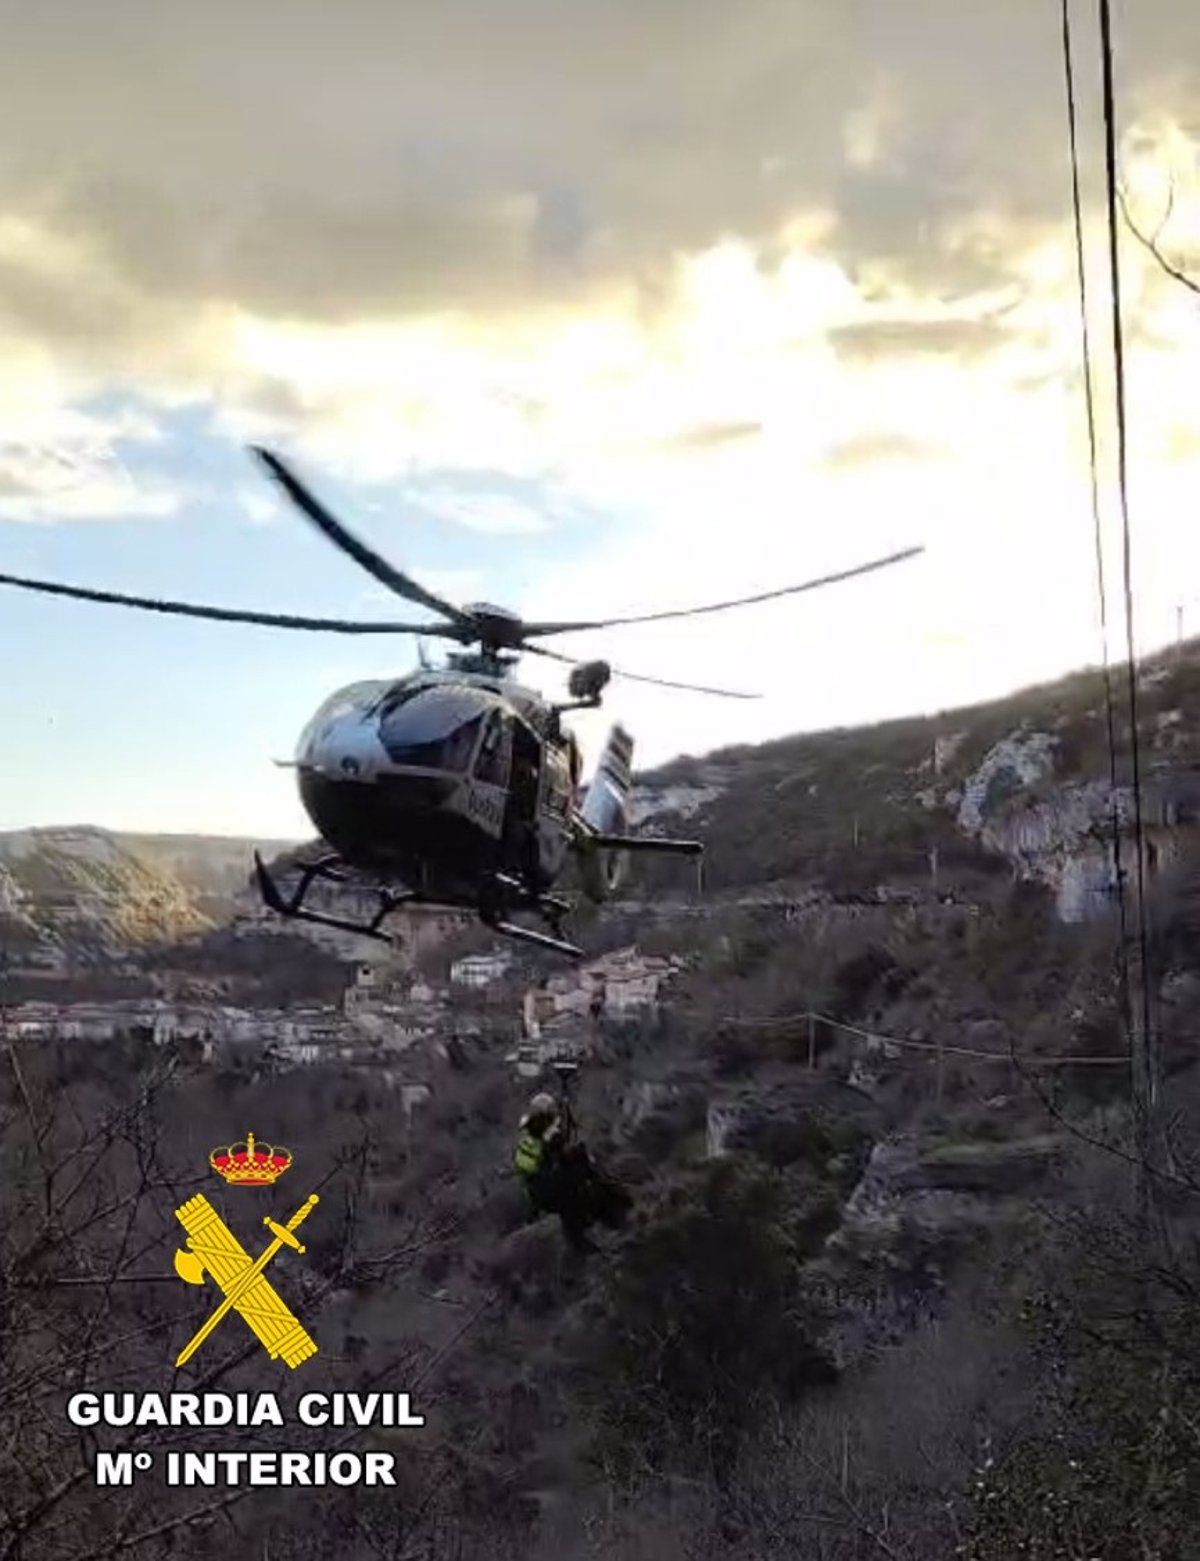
(460, 746)
(495, 751)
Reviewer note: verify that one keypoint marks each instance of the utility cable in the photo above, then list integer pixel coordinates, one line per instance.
(1147, 1049)
(1097, 529)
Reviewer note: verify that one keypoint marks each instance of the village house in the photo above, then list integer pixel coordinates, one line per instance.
(480, 970)
(165, 1022)
(632, 990)
(618, 985)
(422, 995)
(299, 1051)
(369, 987)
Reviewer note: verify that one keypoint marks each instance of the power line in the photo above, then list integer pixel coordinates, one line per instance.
(1149, 1089)
(783, 1021)
(1097, 529)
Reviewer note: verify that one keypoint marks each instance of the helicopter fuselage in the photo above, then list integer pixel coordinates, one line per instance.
(440, 780)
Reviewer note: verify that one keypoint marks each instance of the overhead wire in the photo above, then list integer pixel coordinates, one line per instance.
(1124, 990)
(1139, 1027)
(1146, 1050)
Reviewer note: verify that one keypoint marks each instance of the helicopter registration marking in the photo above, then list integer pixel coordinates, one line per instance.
(484, 809)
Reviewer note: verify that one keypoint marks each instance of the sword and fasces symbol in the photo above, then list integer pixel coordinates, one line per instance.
(214, 1247)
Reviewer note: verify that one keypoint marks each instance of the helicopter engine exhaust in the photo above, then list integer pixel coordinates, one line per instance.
(605, 809)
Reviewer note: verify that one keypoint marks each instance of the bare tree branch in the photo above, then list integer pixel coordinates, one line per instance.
(1150, 241)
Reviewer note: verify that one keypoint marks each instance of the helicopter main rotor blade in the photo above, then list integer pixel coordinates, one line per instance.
(739, 601)
(224, 614)
(385, 573)
(639, 677)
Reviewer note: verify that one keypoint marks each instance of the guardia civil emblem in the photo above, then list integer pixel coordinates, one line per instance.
(214, 1251)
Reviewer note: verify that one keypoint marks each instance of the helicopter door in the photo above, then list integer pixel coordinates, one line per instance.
(520, 816)
(493, 762)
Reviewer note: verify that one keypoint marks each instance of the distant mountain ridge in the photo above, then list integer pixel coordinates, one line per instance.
(80, 894)
(213, 868)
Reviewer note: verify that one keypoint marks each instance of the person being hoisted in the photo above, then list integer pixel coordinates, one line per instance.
(558, 1175)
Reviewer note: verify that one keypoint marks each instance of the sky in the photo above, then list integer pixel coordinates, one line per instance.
(582, 307)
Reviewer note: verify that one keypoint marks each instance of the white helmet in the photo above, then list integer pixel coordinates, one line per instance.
(542, 1105)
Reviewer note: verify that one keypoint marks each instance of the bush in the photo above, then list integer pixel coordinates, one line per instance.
(1106, 1468)
(858, 979)
(526, 1268)
(704, 1321)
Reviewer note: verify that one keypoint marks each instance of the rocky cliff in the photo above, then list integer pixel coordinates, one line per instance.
(1024, 786)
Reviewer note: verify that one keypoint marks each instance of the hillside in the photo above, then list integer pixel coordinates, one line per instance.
(212, 868)
(79, 894)
(82, 897)
(1019, 782)
(887, 1289)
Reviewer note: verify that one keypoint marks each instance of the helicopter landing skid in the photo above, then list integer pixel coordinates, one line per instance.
(541, 940)
(513, 894)
(508, 894)
(331, 870)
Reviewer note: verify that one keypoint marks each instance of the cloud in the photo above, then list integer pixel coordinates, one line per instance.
(596, 242)
(493, 514)
(261, 508)
(713, 292)
(452, 585)
(872, 449)
(708, 436)
(970, 340)
(68, 466)
(1182, 443)
(375, 164)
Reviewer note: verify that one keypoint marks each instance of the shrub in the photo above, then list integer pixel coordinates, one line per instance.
(859, 978)
(704, 1320)
(1106, 1469)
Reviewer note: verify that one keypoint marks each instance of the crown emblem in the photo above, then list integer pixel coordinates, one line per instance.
(250, 1164)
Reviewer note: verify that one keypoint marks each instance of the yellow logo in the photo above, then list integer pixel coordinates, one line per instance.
(250, 1164)
(214, 1249)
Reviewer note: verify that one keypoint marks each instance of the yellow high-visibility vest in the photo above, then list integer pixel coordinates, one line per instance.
(528, 1158)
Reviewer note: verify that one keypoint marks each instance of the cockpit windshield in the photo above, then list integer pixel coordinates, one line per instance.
(436, 730)
(357, 697)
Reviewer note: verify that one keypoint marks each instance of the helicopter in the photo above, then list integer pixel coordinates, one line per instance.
(456, 786)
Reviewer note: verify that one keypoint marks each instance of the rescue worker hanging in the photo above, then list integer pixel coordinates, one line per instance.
(559, 1177)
